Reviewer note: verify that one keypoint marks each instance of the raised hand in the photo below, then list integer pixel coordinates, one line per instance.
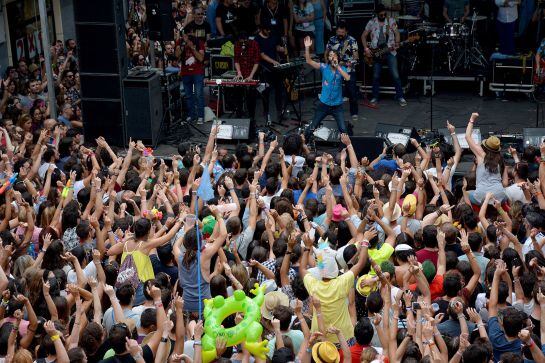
(308, 42)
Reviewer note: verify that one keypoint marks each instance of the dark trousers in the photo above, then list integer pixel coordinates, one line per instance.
(351, 91)
(391, 60)
(275, 83)
(247, 95)
(322, 111)
(506, 35)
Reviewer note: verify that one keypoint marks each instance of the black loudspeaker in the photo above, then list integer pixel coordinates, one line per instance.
(143, 108)
(103, 62)
(367, 146)
(160, 21)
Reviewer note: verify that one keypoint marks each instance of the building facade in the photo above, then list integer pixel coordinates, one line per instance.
(20, 29)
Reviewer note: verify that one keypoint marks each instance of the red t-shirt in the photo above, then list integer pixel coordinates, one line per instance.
(190, 66)
(424, 255)
(436, 287)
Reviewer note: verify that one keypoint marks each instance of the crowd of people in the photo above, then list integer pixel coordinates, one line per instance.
(108, 258)
(114, 257)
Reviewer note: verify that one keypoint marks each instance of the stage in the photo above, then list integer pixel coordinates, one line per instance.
(499, 116)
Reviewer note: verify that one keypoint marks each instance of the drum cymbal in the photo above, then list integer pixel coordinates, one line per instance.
(408, 17)
(477, 18)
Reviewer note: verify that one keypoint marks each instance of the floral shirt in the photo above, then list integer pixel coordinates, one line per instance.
(347, 48)
(389, 28)
(541, 49)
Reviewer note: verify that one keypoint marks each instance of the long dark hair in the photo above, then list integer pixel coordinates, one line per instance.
(493, 161)
(191, 245)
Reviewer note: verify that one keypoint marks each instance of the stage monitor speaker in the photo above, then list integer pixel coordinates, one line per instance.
(103, 62)
(231, 129)
(367, 146)
(143, 108)
(160, 21)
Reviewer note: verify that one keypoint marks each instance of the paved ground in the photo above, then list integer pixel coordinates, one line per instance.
(453, 102)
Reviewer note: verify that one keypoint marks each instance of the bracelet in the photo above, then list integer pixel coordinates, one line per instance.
(15, 328)
(164, 340)
(158, 304)
(55, 337)
(288, 252)
(458, 353)
(515, 281)
(531, 344)
(461, 316)
(306, 249)
(480, 325)
(453, 133)
(309, 350)
(364, 243)
(471, 121)
(137, 357)
(318, 314)
(197, 342)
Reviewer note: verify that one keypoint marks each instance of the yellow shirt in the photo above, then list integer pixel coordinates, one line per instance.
(333, 295)
(144, 268)
(380, 255)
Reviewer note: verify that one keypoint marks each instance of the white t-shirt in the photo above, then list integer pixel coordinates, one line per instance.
(514, 192)
(529, 246)
(89, 271)
(42, 170)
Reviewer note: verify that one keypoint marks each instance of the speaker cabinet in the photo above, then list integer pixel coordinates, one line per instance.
(103, 61)
(143, 108)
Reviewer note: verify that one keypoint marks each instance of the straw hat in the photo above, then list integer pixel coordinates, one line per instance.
(325, 352)
(492, 144)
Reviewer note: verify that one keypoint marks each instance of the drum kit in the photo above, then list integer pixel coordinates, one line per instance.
(454, 46)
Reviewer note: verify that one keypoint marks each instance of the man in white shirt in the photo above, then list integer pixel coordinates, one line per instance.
(505, 24)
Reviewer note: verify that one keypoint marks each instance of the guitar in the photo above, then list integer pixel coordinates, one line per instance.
(539, 75)
(381, 52)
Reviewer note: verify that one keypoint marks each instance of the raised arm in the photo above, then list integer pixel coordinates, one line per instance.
(310, 61)
(475, 148)
(472, 284)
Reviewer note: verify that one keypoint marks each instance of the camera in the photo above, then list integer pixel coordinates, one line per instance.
(415, 305)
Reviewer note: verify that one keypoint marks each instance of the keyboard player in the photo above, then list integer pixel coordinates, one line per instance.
(246, 64)
(270, 48)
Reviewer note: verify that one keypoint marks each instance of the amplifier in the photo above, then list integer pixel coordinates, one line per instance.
(219, 64)
(513, 74)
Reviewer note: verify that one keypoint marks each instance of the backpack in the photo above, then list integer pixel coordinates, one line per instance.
(128, 273)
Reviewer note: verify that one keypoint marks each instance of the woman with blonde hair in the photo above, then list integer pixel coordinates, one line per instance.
(368, 355)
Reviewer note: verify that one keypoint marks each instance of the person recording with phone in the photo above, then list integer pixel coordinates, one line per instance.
(331, 97)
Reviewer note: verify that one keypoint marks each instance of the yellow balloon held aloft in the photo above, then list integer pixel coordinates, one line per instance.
(248, 331)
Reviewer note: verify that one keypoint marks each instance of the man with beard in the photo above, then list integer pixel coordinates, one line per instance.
(331, 97)
(69, 83)
(347, 49)
(383, 33)
(269, 47)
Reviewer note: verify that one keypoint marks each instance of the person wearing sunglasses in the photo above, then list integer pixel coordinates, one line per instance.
(199, 27)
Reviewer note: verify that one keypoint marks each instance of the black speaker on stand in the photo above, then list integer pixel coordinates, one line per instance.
(100, 33)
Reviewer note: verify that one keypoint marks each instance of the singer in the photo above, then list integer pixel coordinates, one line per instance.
(331, 97)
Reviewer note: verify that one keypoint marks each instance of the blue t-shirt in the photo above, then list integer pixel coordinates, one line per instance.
(499, 342)
(389, 165)
(332, 85)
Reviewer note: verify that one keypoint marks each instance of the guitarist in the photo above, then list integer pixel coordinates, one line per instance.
(347, 49)
(539, 77)
(383, 33)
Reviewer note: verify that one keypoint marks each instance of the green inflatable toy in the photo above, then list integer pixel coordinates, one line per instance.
(248, 331)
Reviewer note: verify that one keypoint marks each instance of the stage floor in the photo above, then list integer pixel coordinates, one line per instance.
(451, 102)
